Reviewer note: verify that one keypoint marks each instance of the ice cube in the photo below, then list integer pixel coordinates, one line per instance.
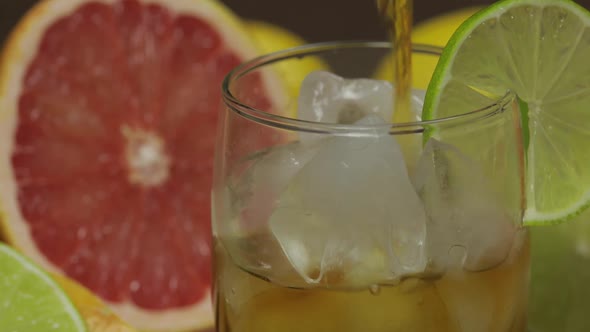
(351, 212)
(467, 225)
(329, 98)
(325, 97)
(257, 190)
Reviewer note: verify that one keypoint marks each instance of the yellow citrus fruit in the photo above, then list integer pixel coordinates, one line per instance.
(271, 38)
(98, 316)
(436, 32)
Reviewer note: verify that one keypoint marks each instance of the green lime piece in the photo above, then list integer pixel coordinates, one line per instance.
(559, 295)
(540, 50)
(30, 300)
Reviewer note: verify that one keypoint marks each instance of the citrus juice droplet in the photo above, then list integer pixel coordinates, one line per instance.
(375, 289)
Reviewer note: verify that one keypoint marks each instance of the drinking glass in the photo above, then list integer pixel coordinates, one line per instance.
(365, 225)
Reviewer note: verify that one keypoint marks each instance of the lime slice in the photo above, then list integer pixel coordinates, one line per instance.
(30, 300)
(539, 49)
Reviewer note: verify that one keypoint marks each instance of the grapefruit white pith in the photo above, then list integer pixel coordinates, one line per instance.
(107, 117)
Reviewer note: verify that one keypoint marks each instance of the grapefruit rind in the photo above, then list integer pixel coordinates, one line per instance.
(19, 51)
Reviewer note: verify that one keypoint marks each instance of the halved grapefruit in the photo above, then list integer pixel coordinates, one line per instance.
(107, 120)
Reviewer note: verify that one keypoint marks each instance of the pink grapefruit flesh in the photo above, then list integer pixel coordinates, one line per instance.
(113, 149)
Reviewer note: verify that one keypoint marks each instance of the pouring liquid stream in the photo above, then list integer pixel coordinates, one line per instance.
(398, 18)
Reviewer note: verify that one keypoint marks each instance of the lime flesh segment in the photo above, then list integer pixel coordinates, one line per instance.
(540, 50)
(30, 300)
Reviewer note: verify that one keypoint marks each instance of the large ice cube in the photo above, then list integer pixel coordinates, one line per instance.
(467, 225)
(258, 188)
(325, 97)
(351, 213)
(329, 98)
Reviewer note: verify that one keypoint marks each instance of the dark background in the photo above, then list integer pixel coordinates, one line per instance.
(315, 20)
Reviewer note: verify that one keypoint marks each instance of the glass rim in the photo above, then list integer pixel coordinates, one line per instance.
(293, 124)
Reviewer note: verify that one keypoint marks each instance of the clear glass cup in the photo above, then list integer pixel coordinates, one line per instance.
(372, 226)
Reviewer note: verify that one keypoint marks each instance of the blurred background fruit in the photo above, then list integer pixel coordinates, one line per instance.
(313, 20)
(86, 86)
(98, 316)
(434, 31)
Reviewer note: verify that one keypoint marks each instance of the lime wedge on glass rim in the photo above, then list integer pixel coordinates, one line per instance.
(30, 300)
(540, 50)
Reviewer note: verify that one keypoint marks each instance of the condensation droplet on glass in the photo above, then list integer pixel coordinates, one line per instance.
(375, 289)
